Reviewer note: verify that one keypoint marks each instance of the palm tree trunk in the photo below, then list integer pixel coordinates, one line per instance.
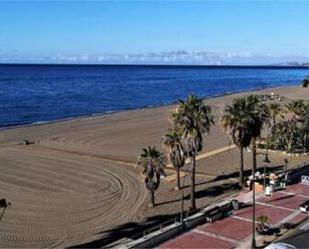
(290, 145)
(152, 198)
(253, 154)
(177, 187)
(192, 195)
(304, 142)
(241, 168)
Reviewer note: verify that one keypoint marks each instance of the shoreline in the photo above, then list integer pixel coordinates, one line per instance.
(102, 114)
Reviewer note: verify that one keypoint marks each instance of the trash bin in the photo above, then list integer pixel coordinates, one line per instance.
(235, 204)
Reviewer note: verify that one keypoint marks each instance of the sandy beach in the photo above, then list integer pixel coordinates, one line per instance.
(77, 184)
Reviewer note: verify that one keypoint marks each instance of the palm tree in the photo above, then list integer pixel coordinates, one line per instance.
(153, 165)
(258, 115)
(235, 123)
(176, 155)
(296, 107)
(275, 110)
(193, 119)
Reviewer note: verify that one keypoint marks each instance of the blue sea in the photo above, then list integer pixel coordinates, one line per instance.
(41, 93)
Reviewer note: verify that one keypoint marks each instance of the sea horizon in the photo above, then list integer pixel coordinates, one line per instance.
(257, 66)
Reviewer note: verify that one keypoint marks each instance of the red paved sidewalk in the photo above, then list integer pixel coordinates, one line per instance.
(197, 240)
(235, 231)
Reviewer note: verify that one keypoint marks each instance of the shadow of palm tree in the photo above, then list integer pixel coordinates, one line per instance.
(247, 173)
(168, 202)
(282, 198)
(214, 191)
(131, 230)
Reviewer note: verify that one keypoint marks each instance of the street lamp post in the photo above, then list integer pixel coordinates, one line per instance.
(286, 164)
(253, 243)
(266, 161)
(182, 206)
(182, 196)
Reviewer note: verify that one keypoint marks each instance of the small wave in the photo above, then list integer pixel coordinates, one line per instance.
(40, 122)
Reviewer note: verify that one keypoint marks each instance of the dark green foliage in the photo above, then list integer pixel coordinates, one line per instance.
(153, 165)
(297, 109)
(285, 136)
(235, 123)
(275, 110)
(305, 82)
(258, 115)
(172, 141)
(292, 135)
(243, 121)
(192, 118)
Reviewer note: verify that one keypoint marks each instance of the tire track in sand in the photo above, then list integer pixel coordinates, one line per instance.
(58, 198)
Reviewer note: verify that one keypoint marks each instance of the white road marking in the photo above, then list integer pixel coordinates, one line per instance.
(216, 236)
(290, 193)
(270, 205)
(241, 218)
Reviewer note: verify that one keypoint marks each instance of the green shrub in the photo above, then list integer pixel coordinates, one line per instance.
(305, 82)
(287, 136)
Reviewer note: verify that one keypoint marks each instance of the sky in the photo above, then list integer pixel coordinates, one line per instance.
(155, 32)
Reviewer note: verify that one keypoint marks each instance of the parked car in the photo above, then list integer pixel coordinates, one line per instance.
(280, 245)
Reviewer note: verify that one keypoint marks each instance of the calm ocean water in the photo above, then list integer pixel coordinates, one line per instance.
(32, 93)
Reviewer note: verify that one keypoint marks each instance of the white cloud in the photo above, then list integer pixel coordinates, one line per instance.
(167, 57)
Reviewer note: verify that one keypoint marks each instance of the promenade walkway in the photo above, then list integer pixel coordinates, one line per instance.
(235, 231)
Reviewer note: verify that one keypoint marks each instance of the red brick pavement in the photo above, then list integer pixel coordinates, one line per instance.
(275, 214)
(230, 228)
(299, 189)
(225, 233)
(299, 218)
(283, 200)
(197, 240)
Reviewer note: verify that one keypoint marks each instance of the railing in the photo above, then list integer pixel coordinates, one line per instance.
(162, 225)
(165, 224)
(155, 228)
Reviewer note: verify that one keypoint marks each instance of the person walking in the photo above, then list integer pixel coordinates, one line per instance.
(268, 192)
